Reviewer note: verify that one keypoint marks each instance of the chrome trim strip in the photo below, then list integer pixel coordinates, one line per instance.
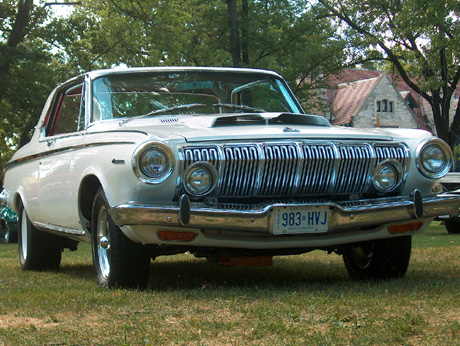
(38, 156)
(50, 227)
(258, 219)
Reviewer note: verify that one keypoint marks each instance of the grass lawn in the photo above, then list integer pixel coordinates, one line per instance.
(300, 300)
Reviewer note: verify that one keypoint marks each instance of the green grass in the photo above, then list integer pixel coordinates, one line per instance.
(301, 300)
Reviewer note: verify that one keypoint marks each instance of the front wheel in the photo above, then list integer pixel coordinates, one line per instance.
(118, 261)
(378, 259)
(37, 250)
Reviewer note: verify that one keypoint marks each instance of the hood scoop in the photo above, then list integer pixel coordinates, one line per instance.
(281, 119)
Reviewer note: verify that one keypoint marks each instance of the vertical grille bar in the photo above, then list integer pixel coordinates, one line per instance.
(354, 169)
(280, 167)
(318, 170)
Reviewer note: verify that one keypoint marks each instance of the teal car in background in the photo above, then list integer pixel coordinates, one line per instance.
(8, 222)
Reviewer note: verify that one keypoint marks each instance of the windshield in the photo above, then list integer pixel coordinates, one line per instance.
(189, 93)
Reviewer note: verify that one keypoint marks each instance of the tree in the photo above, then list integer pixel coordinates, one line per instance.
(17, 26)
(28, 70)
(18, 19)
(147, 33)
(419, 38)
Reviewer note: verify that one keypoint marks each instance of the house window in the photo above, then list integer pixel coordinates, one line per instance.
(385, 106)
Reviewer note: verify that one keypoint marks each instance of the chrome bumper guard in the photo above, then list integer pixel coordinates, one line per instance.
(258, 218)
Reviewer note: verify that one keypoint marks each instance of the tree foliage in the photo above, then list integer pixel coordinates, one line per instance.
(420, 39)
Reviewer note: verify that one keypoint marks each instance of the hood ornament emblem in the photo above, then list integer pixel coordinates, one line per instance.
(290, 129)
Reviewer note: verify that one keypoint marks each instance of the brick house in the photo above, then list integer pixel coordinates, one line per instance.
(372, 102)
(369, 98)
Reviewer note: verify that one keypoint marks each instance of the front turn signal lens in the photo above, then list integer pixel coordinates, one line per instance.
(404, 228)
(176, 236)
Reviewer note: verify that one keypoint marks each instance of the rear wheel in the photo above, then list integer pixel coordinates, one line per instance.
(37, 250)
(118, 261)
(452, 225)
(378, 259)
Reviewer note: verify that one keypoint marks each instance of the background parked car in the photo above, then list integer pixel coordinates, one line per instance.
(8, 222)
(451, 183)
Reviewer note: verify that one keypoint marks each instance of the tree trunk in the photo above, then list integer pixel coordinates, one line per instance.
(234, 39)
(16, 36)
(244, 33)
(455, 129)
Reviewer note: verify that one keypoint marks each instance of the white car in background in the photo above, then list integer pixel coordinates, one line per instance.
(223, 163)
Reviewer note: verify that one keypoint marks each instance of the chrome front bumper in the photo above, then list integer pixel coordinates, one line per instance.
(258, 219)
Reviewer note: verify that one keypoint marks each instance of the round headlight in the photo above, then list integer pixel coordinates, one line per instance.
(387, 176)
(200, 179)
(153, 162)
(434, 158)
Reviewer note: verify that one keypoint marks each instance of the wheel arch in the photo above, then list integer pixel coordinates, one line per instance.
(87, 192)
(19, 202)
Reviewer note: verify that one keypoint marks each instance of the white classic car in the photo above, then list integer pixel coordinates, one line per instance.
(223, 163)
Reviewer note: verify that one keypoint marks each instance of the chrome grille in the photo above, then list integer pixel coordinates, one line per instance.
(297, 168)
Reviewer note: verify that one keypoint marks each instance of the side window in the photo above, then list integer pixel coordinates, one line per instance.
(67, 111)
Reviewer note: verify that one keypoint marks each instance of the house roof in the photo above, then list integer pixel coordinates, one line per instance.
(349, 97)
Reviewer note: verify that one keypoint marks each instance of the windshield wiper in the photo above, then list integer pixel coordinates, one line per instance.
(243, 107)
(163, 110)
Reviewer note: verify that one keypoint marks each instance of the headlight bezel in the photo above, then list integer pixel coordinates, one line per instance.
(140, 170)
(422, 163)
(207, 167)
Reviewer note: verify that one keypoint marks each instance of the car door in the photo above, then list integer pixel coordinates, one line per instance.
(62, 137)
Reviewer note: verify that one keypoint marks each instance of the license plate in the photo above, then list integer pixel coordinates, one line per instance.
(302, 219)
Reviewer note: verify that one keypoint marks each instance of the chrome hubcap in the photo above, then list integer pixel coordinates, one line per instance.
(362, 255)
(103, 242)
(24, 238)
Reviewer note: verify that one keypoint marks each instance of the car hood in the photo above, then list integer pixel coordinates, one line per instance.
(230, 127)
